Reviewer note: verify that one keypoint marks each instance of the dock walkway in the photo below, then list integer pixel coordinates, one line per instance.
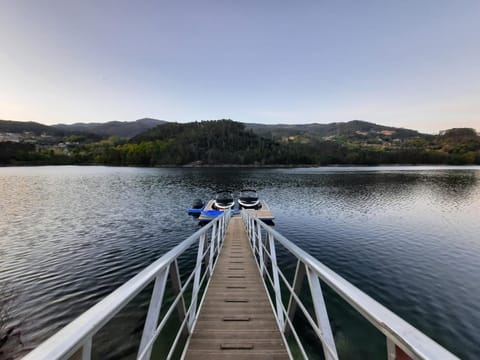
(236, 319)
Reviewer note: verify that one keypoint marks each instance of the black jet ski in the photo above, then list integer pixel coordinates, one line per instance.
(248, 199)
(223, 200)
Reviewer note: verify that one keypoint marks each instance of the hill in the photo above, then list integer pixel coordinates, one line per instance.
(19, 127)
(125, 129)
(355, 129)
(39, 134)
(226, 142)
(205, 142)
(351, 129)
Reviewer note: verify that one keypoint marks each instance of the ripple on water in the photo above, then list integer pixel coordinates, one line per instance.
(71, 235)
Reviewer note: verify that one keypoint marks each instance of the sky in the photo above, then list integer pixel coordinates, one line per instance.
(408, 63)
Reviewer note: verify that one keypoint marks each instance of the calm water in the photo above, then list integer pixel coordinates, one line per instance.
(409, 237)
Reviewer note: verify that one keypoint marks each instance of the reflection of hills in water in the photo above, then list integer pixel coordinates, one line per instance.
(456, 186)
(364, 190)
(391, 187)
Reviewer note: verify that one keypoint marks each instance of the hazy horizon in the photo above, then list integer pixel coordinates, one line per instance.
(403, 64)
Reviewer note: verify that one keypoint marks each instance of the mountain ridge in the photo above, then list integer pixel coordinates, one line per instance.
(13, 126)
(133, 128)
(331, 129)
(126, 129)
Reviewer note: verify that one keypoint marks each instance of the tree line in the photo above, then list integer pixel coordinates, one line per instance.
(225, 142)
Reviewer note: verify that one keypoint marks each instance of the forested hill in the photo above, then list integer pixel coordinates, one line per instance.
(350, 128)
(125, 129)
(226, 142)
(206, 142)
(16, 127)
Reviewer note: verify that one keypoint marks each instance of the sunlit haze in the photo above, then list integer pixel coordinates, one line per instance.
(410, 63)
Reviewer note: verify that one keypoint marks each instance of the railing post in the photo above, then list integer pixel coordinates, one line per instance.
(153, 311)
(249, 229)
(266, 259)
(253, 228)
(260, 248)
(252, 231)
(222, 229)
(391, 350)
(227, 219)
(224, 225)
(394, 352)
(253, 238)
(218, 233)
(196, 283)
(212, 248)
(177, 288)
(84, 353)
(276, 283)
(87, 349)
(321, 315)
(297, 287)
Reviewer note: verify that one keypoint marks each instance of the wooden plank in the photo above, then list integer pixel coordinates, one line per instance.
(236, 319)
(263, 213)
(238, 355)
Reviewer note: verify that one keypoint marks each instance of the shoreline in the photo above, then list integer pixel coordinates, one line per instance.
(231, 166)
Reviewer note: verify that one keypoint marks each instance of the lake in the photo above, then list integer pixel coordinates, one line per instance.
(407, 236)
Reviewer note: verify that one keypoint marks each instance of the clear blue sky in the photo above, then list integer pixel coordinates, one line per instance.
(409, 63)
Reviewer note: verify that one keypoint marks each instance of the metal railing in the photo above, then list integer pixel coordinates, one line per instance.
(74, 341)
(403, 340)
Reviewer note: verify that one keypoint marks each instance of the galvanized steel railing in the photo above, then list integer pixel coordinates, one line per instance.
(403, 340)
(74, 341)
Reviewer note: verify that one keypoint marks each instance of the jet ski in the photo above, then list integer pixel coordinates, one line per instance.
(223, 200)
(248, 199)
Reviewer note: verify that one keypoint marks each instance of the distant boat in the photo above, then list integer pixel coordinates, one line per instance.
(248, 199)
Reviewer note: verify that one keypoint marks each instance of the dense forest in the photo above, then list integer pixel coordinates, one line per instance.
(225, 142)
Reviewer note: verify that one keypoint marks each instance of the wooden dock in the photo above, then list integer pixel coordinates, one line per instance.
(236, 319)
(264, 213)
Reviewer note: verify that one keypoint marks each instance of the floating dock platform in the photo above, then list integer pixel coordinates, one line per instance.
(263, 213)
